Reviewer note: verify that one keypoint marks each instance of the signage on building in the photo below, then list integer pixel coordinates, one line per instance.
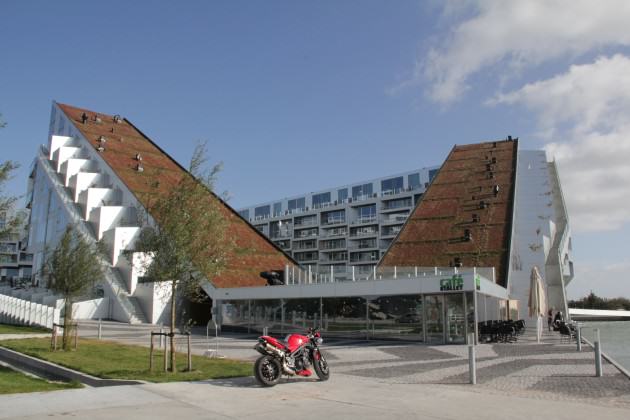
(456, 282)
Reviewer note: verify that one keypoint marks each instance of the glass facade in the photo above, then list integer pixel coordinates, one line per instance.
(297, 204)
(277, 209)
(392, 184)
(320, 199)
(444, 318)
(262, 211)
(361, 191)
(413, 181)
(342, 195)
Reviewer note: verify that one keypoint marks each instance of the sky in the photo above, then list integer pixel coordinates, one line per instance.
(297, 96)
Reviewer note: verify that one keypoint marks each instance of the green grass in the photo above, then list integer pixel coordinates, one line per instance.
(118, 361)
(21, 329)
(12, 382)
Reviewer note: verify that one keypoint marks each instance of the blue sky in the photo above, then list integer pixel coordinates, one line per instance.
(297, 96)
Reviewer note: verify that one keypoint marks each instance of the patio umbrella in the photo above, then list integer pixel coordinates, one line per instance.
(537, 300)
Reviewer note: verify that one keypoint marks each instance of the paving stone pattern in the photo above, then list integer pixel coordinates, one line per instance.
(551, 370)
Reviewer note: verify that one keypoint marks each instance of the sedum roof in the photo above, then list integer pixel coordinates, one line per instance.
(253, 252)
(463, 197)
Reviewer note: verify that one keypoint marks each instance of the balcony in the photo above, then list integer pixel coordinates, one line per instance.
(396, 204)
(332, 257)
(311, 221)
(333, 233)
(334, 221)
(332, 245)
(394, 219)
(361, 233)
(364, 257)
(364, 220)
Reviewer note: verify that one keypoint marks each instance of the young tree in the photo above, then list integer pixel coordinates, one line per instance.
(8, 221)
(73, 269)
(188, 241)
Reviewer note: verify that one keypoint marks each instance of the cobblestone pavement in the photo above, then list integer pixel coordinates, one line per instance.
(550, 370)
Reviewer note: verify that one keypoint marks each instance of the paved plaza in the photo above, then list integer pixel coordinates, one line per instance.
(370, 379)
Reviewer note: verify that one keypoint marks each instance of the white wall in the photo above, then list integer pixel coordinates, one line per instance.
(91, 309)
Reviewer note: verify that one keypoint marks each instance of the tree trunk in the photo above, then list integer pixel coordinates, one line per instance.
(172, 335)
(67, 324)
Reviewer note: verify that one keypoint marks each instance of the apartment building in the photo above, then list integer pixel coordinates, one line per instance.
(342, 231)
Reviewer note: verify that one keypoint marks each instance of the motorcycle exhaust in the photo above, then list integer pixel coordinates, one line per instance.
(266, 348)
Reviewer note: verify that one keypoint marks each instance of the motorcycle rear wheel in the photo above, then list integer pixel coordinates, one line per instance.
(321, 366)
(267, 370)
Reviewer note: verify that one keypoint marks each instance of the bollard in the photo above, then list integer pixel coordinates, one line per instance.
(265, 330)
(578, 337)
(598, 355)
(472, 363)
(100, 329)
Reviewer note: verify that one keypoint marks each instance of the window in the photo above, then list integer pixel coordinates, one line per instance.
(297, 204)
(277, 209)
(361, 190)
(320, 199)
(262, 211)
(367, 211)
(244, 214)
(432, 174)
(414, 181)
(342, 195)
(392, 184)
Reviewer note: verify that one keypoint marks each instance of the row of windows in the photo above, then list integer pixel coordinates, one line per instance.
(393, 185)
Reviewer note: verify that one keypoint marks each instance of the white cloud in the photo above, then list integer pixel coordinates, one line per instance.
(587, 109)
(504, 36)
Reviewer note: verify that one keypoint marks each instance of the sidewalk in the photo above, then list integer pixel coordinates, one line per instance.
(340, 397)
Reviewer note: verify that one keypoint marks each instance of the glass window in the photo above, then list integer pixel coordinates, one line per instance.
(400, 316)
(392, 184)
(297, 204)
(361, 190)
(432, 174)
(342, 194)
(244, 214)
(414, 181)
(262, 211)
(455, 318)
(434, 315)
(344, 314)
(367, 212)
(319, 199)
(277, 209)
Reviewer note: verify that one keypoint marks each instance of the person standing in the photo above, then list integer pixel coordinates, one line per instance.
(549, 318)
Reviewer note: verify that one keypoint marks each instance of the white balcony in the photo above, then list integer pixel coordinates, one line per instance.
(107, 217)
(83, 180)
(64, 153)
(72, 167)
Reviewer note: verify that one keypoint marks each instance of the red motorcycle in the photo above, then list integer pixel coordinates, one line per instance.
(293, 357)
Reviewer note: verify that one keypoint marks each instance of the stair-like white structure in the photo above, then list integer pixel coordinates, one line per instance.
(99, 214)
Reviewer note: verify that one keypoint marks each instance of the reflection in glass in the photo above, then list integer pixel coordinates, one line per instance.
(397, 316)
(434, 314)
(301, 314)
(455, 318)
(344, 314)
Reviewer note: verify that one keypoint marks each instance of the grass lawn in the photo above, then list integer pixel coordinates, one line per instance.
(106, 359)
(21, 329)
(12, 382)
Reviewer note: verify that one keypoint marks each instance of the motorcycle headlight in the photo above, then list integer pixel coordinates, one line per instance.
(319, 340)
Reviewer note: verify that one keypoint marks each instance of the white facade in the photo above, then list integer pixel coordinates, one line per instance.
(71, 184)
(541, 236)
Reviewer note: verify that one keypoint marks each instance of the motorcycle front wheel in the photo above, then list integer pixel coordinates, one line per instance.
(321, 366)
(267, 370)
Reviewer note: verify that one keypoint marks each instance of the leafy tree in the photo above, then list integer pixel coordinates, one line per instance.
(188, 241)
(72, 269)
(592, 301)
(8, 222)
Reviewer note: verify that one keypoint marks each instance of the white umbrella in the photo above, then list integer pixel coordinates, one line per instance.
(537, 300)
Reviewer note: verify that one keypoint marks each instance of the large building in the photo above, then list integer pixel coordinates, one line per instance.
(15, 262)
(343, 231)
(467, 237)
(97, 173)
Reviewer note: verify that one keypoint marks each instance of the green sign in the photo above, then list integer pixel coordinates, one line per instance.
(478, 282)
(454, 283)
